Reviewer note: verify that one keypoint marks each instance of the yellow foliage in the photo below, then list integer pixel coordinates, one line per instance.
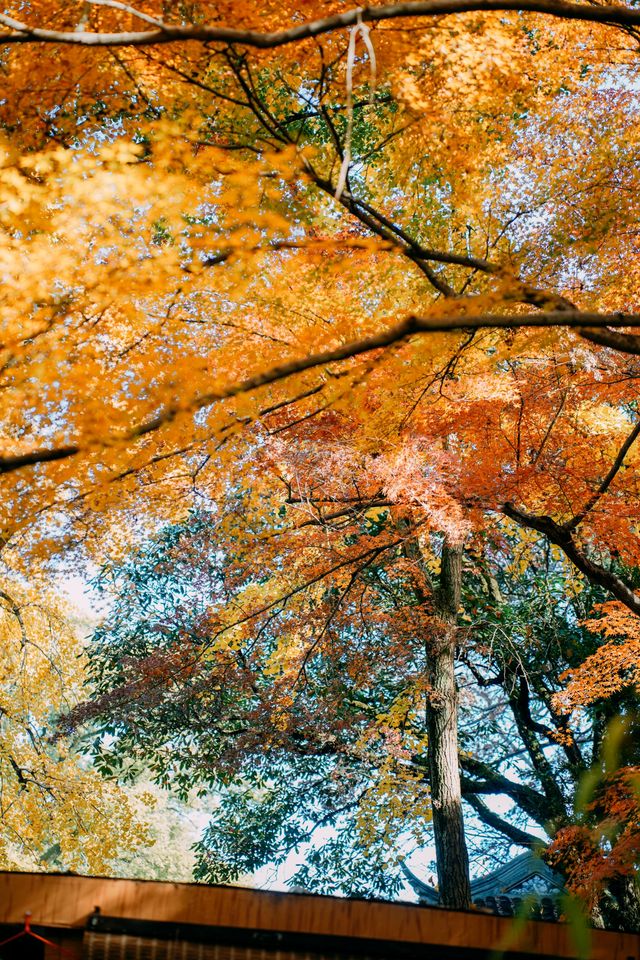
(55, 812)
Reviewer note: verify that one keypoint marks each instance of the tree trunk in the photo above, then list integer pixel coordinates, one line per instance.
(442, 730)
(622, 911)
(441, 712)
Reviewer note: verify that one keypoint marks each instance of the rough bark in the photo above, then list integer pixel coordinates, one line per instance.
(441, 716)
(621, 910)
(442, 730)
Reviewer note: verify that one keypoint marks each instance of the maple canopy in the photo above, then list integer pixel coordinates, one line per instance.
(307, 269)
(252, 235)
(311, 713)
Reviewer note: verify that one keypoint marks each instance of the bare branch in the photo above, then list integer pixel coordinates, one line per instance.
(615, 14)
(494, 783)
(117, 5)
(491, 819)
(624, 342)
(10, 463)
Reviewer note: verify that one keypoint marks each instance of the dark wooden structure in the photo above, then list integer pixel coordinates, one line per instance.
(102, 919)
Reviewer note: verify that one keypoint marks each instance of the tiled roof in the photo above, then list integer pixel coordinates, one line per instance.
(526, 879)
(540, 908)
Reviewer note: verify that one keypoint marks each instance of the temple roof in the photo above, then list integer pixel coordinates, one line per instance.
(503, 890)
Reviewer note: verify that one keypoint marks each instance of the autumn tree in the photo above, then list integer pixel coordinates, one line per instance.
(312, 713)
(228, 224)
(601, 849)
(55, 812)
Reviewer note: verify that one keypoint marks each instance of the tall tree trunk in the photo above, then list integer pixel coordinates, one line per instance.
(452, 858)
(442, 730)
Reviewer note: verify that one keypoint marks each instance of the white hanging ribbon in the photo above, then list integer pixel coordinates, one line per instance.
(362, 30)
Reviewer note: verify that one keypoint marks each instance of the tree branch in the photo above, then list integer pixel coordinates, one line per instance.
(616, 466)
(519, 702)
(561, 537)
(407, 328)
(614, 14)
(16, 611)
(624, 342)
(533, 803)
(491, 819)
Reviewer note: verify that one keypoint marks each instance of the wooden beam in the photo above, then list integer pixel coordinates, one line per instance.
(68, 900)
